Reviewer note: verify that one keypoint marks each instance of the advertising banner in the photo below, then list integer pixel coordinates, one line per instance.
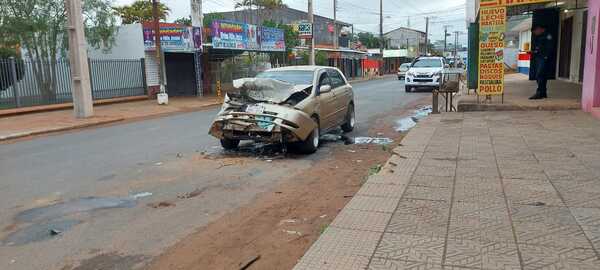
(173, 37)
(305, 30)
(503, 3)
(272, 39)
(492, 25)
(229, 35)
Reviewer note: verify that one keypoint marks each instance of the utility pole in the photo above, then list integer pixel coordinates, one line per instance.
(381, 35)
(445, 38)
(335, 34)
(83, 106)
(426, 35)
(456, 44)
(159, 54)
(311, 20)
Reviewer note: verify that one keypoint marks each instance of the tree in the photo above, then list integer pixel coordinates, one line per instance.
(141, 11)
(39, 27)
(184, 20)
(290, 35)
(261, 5)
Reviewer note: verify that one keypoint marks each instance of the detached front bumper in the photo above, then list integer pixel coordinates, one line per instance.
(275, 124)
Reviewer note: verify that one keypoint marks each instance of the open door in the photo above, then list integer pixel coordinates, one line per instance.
(566, 41)
(549, 18)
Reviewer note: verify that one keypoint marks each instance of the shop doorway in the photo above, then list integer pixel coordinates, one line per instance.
(181, 74)
(566, 39)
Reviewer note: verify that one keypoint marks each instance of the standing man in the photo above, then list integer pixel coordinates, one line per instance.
(542, 42)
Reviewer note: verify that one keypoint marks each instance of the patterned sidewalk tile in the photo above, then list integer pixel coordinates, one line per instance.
(435, 171)
(374, 204)
(327, 261)
(362, 220)
(434, 223)
(388, 179)
(389, 264)
(346, 242)
(432, 181)
(531, 192)
(552, 235)
(542, 257)
(428, 193)
(579, 193)
(411, 248)
(483, 231)
(542, 215)
(380, 190)
(499, 255)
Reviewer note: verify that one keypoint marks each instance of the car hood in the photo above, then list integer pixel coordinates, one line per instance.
(266, 90)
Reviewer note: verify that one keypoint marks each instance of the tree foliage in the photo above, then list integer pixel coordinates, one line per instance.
(369, 40)
(141, 11)
(184, 20)
(39, 27)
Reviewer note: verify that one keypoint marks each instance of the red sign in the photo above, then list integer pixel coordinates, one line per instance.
(330, 28)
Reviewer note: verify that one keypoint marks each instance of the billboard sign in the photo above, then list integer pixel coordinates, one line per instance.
(272, 39)
(503, 3)
(229, 35)
(173, 37)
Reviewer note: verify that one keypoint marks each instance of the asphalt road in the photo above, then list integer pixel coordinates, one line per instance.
(103, 179)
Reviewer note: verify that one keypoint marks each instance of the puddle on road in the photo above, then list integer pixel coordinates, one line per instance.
(407, 123)
(39, 232)
(46, 222)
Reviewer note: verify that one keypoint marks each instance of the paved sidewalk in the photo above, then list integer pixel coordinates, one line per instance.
(481, 190)
(19, 126)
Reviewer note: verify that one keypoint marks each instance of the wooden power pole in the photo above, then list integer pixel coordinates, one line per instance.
(381, 41)
(157, 45)
(311, 20)
(83, 105)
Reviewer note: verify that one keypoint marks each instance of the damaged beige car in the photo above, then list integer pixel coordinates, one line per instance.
(291, 106)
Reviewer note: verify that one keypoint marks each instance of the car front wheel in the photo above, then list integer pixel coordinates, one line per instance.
(407, 89)
(311, 143)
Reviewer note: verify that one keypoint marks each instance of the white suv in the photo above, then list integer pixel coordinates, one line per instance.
(425, 72)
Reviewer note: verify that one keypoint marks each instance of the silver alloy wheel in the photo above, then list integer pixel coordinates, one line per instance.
(352, 119)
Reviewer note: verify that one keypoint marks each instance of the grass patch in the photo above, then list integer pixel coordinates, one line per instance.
(375, 169)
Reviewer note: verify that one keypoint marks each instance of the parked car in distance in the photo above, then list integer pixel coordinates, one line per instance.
(290, 105)
(425, 72)
(402, 70)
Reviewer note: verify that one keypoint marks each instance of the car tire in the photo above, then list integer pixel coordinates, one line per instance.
(230, 144)
(311, 144)
(348, 125)
(407, 89)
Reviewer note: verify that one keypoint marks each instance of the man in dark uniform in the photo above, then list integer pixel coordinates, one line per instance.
(541, 52)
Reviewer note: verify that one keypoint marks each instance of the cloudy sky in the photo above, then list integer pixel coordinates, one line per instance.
(364, 14)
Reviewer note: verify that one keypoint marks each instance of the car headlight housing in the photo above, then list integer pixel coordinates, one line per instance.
(410, 73)
(437, 73)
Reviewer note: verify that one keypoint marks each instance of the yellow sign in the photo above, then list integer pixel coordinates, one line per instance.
(503, 3)
(492, 25)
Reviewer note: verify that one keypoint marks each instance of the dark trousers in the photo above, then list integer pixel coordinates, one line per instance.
(540, 74)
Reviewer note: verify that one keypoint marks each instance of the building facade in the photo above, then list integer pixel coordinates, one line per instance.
(407, 38)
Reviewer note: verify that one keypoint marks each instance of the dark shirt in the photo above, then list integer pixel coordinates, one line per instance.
(543, 45)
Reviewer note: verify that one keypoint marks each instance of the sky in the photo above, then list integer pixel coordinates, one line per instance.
(364, 14)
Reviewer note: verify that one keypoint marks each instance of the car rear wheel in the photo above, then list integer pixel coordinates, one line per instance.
(230, 144)
(311, 143)
(348, 126)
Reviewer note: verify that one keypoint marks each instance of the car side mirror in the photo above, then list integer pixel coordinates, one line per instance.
(324, 89)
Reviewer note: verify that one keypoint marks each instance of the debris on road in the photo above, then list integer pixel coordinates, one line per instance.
(158, 163)
(287, 221)
(405, 124)
(322, 216)
(55, 231)
(195, 193)
(292, 232)
(179, 155)
(162, 204)
(371, 140)
(248, 263)
(141, 195)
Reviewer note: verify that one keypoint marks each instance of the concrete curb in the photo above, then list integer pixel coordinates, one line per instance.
(65, 106)
(58, 129)
(474, 107)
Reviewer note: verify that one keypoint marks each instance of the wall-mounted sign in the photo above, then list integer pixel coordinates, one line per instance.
(305, 30)
(503, 3)
(173, 37)
(272, 39)
(492, 25)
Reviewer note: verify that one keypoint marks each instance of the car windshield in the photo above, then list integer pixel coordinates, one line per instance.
(427, 63)
(296, 77)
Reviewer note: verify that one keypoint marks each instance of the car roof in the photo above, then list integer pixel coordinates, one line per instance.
(430, 57)
(300, 68)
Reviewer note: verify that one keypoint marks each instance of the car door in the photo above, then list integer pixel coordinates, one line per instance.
(327, 102)
(343, 95)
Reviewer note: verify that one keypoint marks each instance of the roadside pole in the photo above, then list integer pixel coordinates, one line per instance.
(426, 35)
(381, 64)
(157, 45)
(335, 34)
(81, 88)
(311, 20)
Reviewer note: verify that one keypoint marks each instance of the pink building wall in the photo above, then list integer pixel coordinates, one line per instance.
(590, 100)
